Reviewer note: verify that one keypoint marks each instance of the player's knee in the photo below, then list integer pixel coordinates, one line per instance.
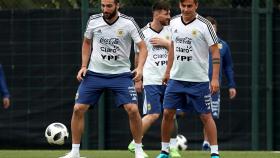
(168, 114)
(206, 117)
(79, 109)
(131, 109)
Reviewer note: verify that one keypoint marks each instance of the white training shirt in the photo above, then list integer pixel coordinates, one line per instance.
(156, 61)
(111, 43)
(191, 48)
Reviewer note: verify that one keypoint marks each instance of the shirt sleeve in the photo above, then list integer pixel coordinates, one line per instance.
(136, 33)
(89, 29)
(210, 35)
(228, 66)
(3, 85)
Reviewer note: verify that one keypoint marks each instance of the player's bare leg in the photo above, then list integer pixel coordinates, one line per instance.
(211, 130)
(147, 121)
(135, 123)
(205, 144)
(77, 122)
(77, 129)
(167, 126)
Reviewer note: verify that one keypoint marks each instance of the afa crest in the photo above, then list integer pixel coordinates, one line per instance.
(149, 107)
(194, 32)
(120, 32)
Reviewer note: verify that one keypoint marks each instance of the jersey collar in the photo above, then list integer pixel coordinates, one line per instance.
(189, 21)
(150, 26)
(113, 21)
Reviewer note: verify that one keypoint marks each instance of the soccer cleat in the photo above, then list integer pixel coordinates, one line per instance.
(131, 147)
(215, 155)
(71, 155)
(174, 153)
(206, 146)
(163, 155)
(141, 155)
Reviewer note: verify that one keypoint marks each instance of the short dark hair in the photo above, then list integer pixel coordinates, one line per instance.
(195, 1)
(117, 1)
(161, 5)
(212, 20)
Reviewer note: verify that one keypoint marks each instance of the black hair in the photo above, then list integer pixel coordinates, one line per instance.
(212, 20)
(161, 5)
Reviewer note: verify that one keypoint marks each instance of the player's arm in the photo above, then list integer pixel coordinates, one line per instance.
(228, 70)
(138, 84)
(157, 41)
(85, 58)
(170, 60)
(141, 61)
(4, 89)
(216, 68)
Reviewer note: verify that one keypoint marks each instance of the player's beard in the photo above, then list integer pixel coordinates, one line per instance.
(109, 16)
(165, 22)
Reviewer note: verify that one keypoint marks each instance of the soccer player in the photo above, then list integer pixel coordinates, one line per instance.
(226, 66)
(157, 38)
(109, 34)
(187, 73)
(4, 90)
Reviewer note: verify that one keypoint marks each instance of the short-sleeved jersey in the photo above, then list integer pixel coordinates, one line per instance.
(156, 61)
(191, 48)
(111, 43)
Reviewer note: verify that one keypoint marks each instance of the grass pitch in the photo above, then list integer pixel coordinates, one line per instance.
(126, 154)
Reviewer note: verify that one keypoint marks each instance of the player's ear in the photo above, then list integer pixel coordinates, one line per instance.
(196, 5)
(118, 6)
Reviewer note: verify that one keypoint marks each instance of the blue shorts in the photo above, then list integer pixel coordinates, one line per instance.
(187, 96)
(216, 105)
(94, 84)
(153, 99)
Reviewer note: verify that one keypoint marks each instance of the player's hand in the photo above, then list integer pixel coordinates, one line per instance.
(6, 103)
(157, 41)
(232, 93)
(214, 87)
(139, 86)
(165, 78)
(138, 74)
(81, 74)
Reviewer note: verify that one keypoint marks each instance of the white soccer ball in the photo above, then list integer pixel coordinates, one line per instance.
(56, 133)
(182, 142)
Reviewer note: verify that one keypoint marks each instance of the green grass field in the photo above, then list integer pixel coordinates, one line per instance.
(126, 154)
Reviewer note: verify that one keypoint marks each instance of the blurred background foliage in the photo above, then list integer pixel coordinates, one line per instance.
(76, 4)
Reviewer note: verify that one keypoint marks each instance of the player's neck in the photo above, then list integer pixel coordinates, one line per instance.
(112, 20)
(155, 25)
(188, 19)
